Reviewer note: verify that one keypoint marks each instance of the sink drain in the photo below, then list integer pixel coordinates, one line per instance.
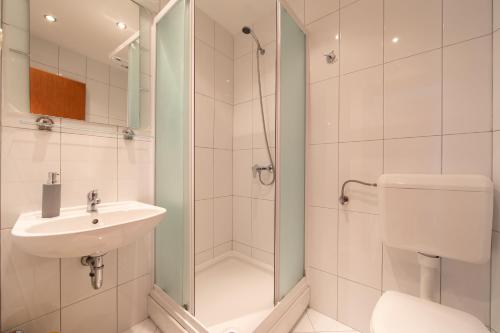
(95, 221)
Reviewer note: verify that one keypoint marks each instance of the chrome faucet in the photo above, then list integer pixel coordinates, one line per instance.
(92, 201)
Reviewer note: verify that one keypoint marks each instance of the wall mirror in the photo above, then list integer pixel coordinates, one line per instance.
(85, 60)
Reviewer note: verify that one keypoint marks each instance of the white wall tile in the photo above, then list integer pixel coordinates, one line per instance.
(204, 69)
(118, 105)
(265, 27)
(14, 13)
(411, 27)
(87, 163)
(204, 27)
(243, 79)
(204, 174)
(412, 96)
(136, 170)
(476, 146)
(361, 105)
(243, 249)
(322, 226)
(30, 284)
(27, 157)
(48, 323)
(242, 45)
(466, 19)
(223, 175)
(496, 80)
(467, 89)
(224, 84)
(361, 31)
(324, 111)
(360, 248)
(323, 38)
(223, 248)
(298, 8)
(269, 118)
(223, 126)
(267, 72)
(361, 160)
(496, 15)
(136, 259)
(204, 225)
(323, 175)
(242, 173)
(316, 9)
(224, 41)
(83, 316)
(72, 62)
(97, 71)
(416, 155)
(44, 52)
(16, 82)
(466, 287)
(263, 256)
(356, 304)
(97, 98)
(132, 302)
(118, 77)
(75, 280)
(242, 220)
(496, 180)
(401, 271)
(204, 121)
(242, 126)
(223, 220)
(495, 283)
(263, 225)
(323, 292)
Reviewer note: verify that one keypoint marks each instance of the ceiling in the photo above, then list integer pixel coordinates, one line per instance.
(234, 14)
(87, 27)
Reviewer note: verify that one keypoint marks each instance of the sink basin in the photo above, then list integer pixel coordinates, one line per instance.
(77, 233)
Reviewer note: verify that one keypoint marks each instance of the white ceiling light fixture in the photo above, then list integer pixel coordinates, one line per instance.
(50, 18)
(395, 40)
(121, 25)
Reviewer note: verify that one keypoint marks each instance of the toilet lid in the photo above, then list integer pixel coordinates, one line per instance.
(401, 313)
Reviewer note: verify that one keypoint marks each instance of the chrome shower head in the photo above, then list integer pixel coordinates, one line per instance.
(248, 31)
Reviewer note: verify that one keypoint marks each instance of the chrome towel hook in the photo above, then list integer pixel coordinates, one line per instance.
(344, 199)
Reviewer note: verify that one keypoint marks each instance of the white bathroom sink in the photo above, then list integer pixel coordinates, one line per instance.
(77, 233)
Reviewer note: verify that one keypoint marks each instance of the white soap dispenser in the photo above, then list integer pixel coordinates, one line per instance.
(51, 197)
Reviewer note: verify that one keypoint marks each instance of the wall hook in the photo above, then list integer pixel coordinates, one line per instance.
(331, 57)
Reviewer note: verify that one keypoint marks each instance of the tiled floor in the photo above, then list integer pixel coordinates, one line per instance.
(315, 322)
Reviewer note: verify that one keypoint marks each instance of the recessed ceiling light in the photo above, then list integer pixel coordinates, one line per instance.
(121, 25)
(50, 18)
(395, 40)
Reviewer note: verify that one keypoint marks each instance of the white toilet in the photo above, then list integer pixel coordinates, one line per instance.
(434, 216)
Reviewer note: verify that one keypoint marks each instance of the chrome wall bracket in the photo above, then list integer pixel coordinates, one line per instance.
(44, 123)
(331, 57)
(344, 199)
(128, 133)
(96, 265)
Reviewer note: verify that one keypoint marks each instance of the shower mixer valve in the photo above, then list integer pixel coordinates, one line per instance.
(257, 169)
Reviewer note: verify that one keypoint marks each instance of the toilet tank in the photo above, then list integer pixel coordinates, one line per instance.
(444, 215)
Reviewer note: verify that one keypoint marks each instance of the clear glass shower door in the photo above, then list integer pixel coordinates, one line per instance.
(291, 137)
(173, 178)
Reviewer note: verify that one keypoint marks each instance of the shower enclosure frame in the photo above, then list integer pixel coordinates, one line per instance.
(190, 269)
(283, 305)
(277, 251)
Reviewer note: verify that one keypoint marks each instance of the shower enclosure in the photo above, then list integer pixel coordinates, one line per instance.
(230, 114)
